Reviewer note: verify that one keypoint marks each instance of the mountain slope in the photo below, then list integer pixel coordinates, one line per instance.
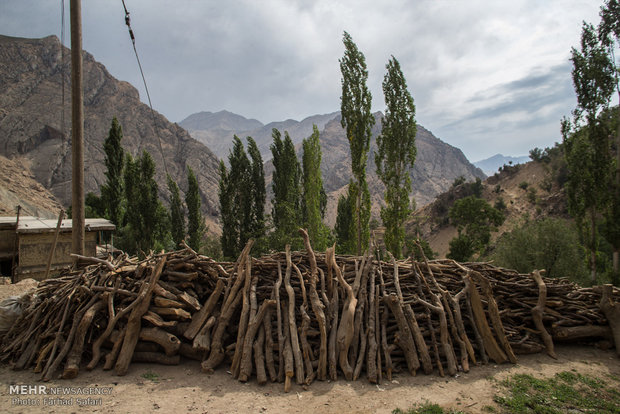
(31, 73)
(18, 187)
(528, 191)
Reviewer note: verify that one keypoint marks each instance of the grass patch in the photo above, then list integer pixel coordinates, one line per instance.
(565, 392)
(425, 408)
(151, 376)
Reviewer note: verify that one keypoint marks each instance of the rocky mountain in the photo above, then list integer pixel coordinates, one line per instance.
(19, 188)
(492, 164)
(31, 127)
(216, 130)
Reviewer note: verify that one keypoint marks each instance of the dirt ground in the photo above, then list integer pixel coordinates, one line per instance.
(183, 388)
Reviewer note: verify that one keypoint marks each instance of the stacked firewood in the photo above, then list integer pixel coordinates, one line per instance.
(299, 316)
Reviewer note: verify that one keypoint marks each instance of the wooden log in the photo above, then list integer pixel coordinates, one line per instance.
(156, 358)
(317, 307)
(345, 327)
(332, 347)
(227, 310)
(158, 321)
(166, 340)
(496, 319)
(111, 356)
(191, 302)
(537, 314)
(281, 336)
(161, 291)
(490, 345)
(292, 325)
(248, 306)
(69, 341)
(371, 363)
(612, 313)
(133, 324)
(199, 318)
(187, 351)
(72, 365)
(245, 368)
(174, 313)
(162, 302)
(202, 341)
(289, 360)
(580, 333)
(405, 338)
(113, 318)
(259, 356)
(269, 360)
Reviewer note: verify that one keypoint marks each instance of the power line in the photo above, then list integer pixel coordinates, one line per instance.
(133, 42)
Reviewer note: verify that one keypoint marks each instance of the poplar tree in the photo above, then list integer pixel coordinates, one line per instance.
(396, 155)
(147, 220)
(355, 104)
(344, 226)
(286, 210)
(195, 222)
(258, 191)
(177, 215)
(609, 32)
(112, 192)
(313, 190)
(230, 227)
(587, 143)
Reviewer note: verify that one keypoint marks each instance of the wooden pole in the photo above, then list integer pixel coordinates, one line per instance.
(15, 243)
(53, 249)
(77, 140)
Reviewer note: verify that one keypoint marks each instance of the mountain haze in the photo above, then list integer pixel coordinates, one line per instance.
(216, 130)
(492, 164)
(31, 112)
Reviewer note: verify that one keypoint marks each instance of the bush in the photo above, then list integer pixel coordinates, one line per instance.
(523, 185)
(550, 244)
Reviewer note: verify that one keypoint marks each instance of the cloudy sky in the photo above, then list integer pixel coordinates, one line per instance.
(486, 76)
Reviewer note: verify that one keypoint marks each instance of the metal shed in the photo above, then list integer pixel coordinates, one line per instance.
(25, 247)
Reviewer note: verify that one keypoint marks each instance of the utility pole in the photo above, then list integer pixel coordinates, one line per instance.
(77, 128)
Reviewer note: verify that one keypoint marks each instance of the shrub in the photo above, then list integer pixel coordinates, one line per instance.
(523, 185)
(550, 244)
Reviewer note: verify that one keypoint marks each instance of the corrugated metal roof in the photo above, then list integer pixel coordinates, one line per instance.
(29, 224)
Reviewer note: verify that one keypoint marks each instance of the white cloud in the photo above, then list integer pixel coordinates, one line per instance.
(467, 62)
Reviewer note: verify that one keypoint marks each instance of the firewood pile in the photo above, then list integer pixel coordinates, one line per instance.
(299, 316)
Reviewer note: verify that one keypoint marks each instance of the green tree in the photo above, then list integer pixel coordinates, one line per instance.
(355, 104)
(195, 222)
(258, 193)
(112, 192)
(587, 146)
(396, 155)
(313, 191)
(177, 215)
(551, 244)
(344, 226)
(609, 32)
(242, 199)
(147, 222)
(474, 219)
(230, 226)
(286, 210)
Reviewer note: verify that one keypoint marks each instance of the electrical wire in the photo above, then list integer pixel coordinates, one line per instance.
(133, 42)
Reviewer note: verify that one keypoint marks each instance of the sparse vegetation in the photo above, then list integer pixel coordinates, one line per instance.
(567, 391)
(550, 244)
